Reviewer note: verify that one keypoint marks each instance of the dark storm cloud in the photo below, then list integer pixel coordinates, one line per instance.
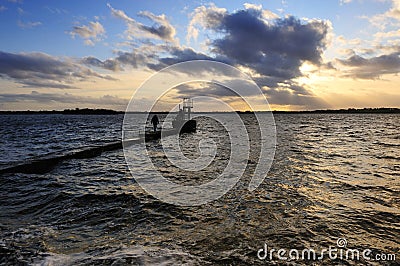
(42, 70)
(371, 68)
(274, 49)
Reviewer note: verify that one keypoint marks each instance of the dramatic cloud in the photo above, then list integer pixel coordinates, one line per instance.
(370, 68)
(252, 38)
(271, 50)
(161, 28)
(211, 17)
(277, 49)
(41, 70)
(91, 33)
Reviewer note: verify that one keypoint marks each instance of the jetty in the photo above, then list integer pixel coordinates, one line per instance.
(44, 164)
(181, 124)
(47, 162)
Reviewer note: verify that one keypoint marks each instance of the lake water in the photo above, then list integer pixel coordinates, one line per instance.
(333, 176)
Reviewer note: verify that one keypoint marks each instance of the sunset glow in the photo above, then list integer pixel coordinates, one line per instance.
(305, 55)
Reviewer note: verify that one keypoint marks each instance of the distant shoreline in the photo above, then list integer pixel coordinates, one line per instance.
(87, 111)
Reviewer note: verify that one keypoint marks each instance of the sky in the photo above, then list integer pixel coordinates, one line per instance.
(304, 55)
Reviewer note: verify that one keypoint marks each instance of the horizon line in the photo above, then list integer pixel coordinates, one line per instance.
(111, 111)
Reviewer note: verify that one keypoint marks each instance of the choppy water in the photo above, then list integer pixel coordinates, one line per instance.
(334, 175)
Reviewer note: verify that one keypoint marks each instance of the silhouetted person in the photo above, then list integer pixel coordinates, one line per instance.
(155, 122)
(180, 115)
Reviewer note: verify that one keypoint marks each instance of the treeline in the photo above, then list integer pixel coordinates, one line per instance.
(76, 111)
(347, 111)
(87, 111)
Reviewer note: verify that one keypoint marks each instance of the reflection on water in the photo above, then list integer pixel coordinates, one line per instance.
(333, 176)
